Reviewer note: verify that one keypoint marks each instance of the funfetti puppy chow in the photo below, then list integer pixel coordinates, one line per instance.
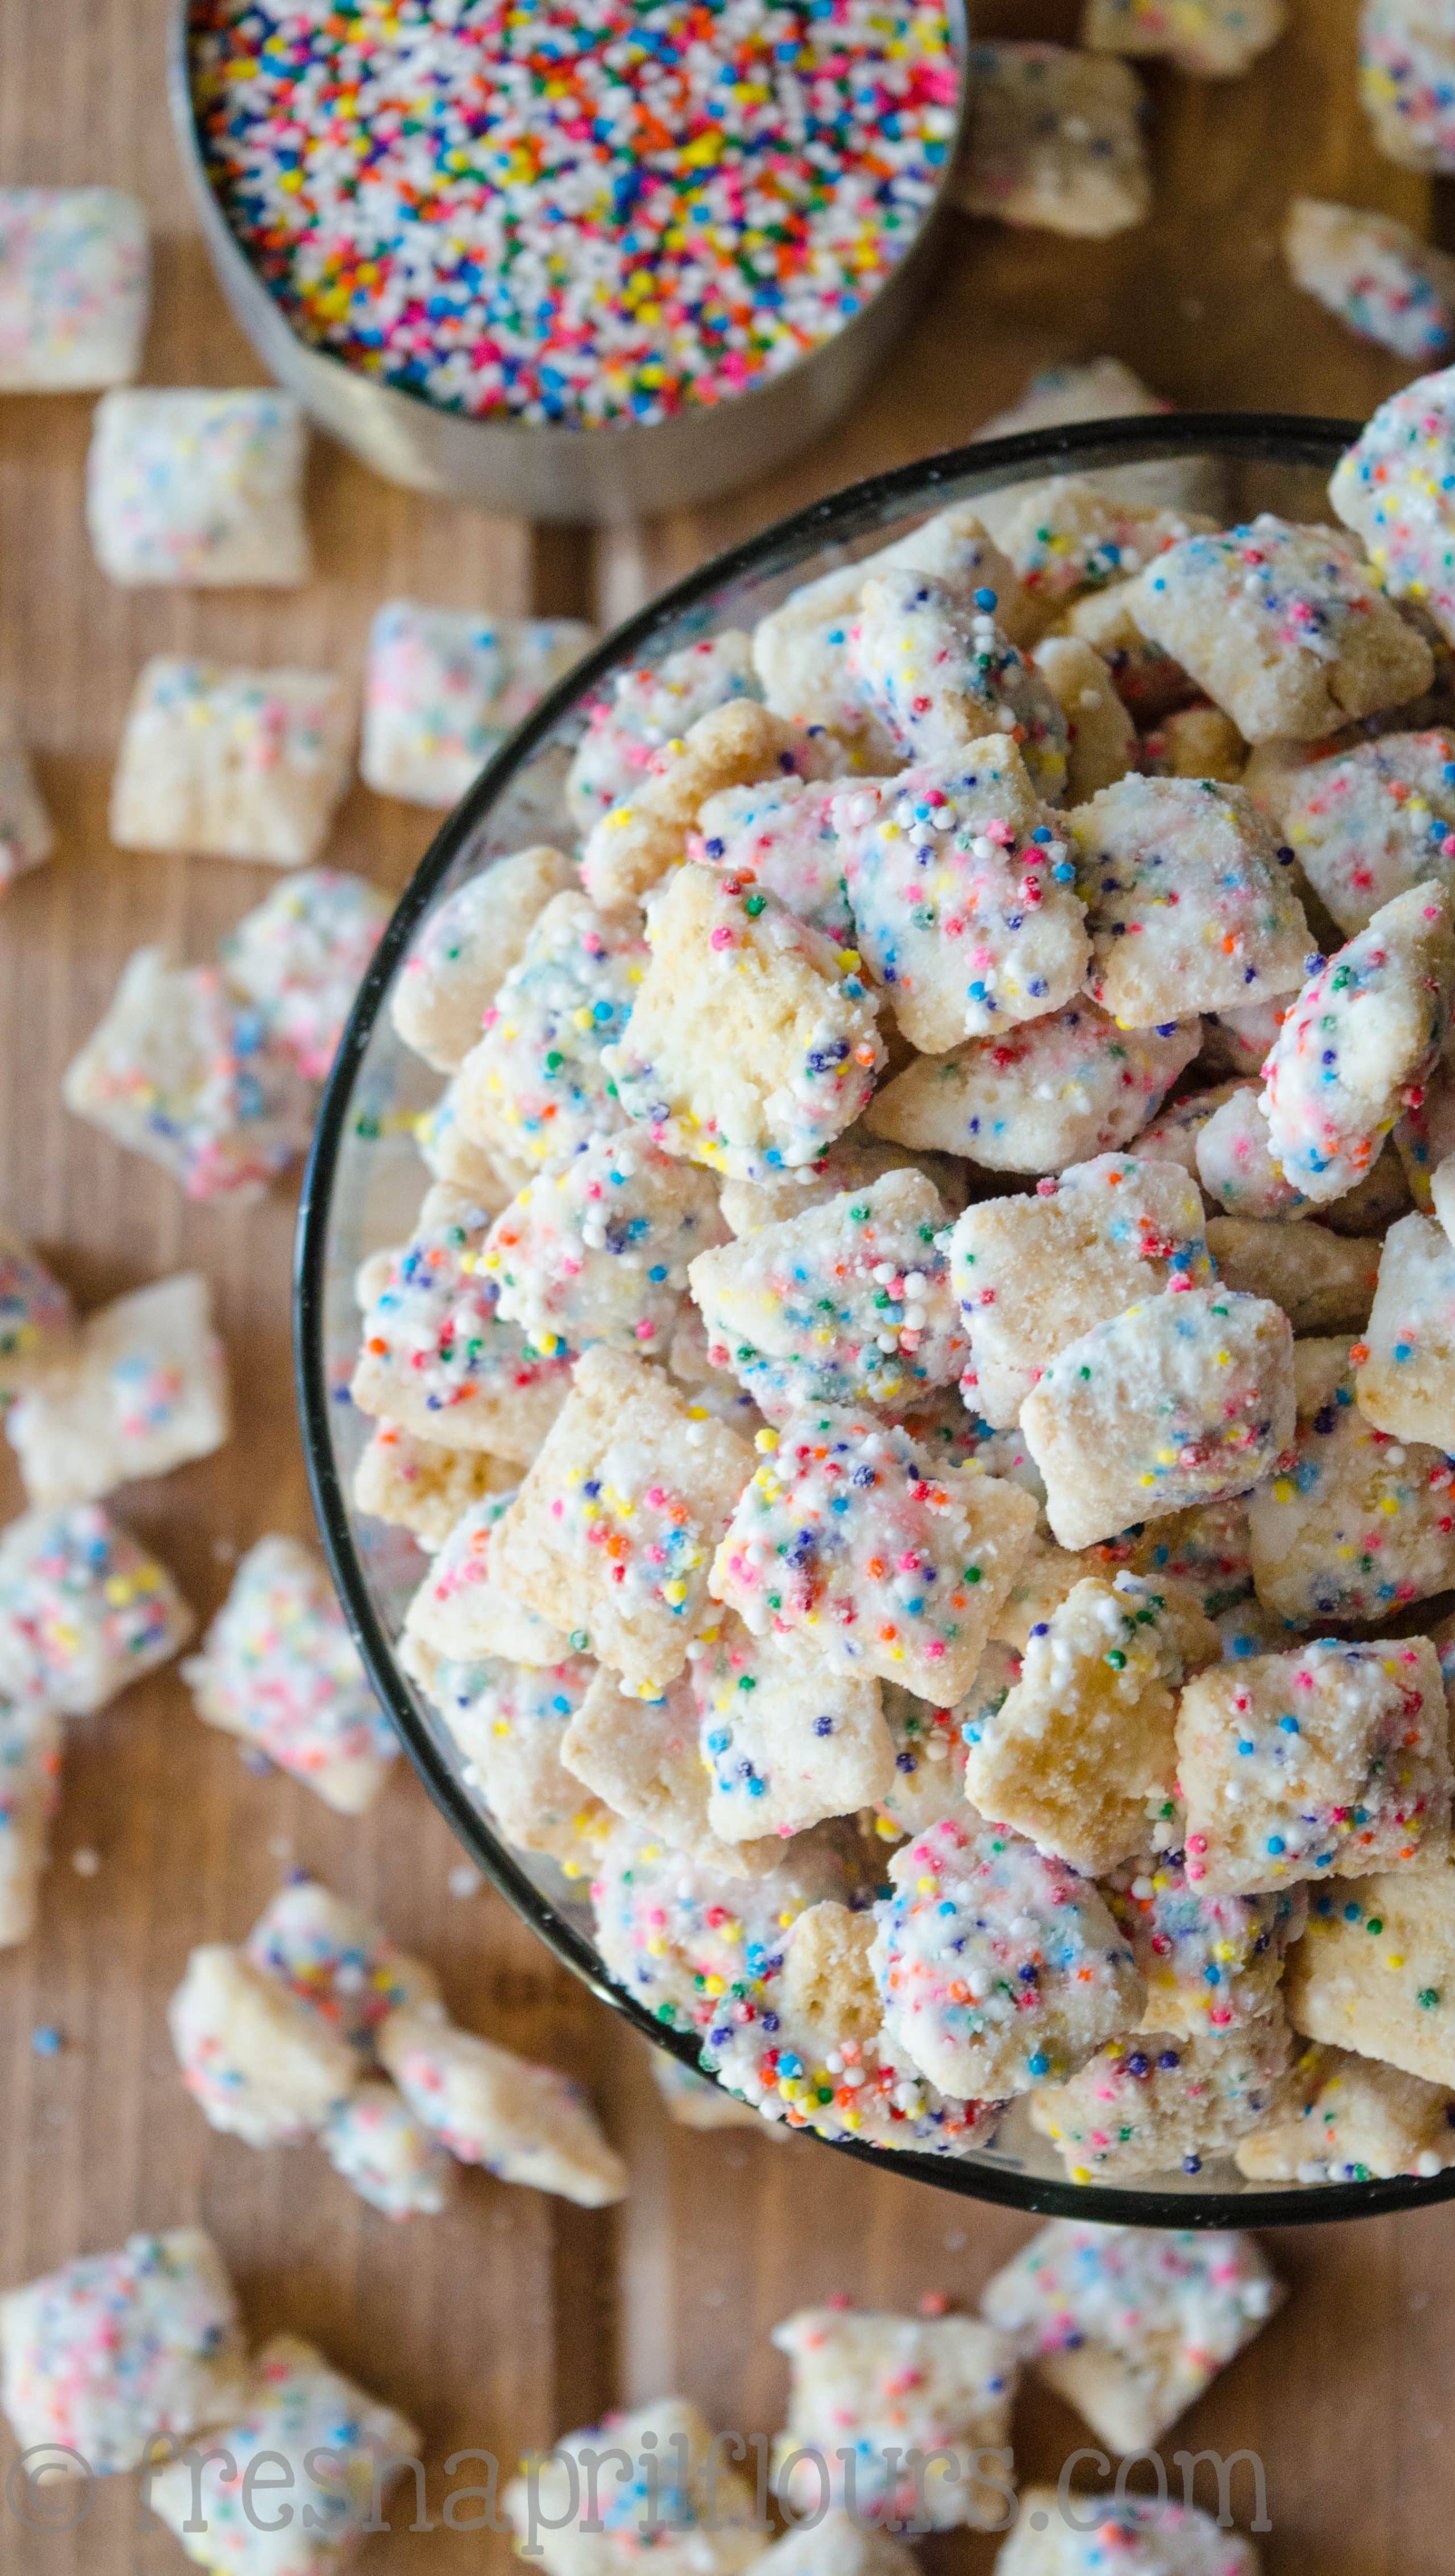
(1390, 487)
(650, 706)
(444, 686)
(1351, 1524)
(1056, 141)
(232, 764)
(939, 674)
(463, 951)
(1056, 1091)
(74, 288)
(198, 489)
(739, 744)
(534, 1085)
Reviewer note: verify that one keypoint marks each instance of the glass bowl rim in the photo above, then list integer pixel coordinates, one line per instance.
(1288, 439)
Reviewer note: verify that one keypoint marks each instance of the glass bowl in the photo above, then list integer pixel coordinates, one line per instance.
(365, 1180)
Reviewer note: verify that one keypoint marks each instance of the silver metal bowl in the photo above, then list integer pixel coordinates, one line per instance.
(576, 477)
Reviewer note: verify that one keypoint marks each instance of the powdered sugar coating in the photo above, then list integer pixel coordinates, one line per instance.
(938, 673)
(279, 1669)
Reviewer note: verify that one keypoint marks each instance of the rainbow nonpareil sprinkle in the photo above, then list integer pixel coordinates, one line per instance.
(581, 212)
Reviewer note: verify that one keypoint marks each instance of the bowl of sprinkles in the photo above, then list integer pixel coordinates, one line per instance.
(578, 259)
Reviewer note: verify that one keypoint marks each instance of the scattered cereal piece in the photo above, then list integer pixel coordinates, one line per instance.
(1080, 1756)
(110, 2352)
(37, 1321)
(1364, 1033)
(462, 1611)
(181, 1072)
(74, 289)
(1283, 628)
(1211, 1962)
(612, 1532)
(27, 835)
(534, 1085)
(1179, 1400)
(735, 745)
(419, 1486)
(1131, 2325)
(528, 2124)
(1032, 1274)
(1353, 1525)
(463, 951)
(1407, 81)
(299, 2412)
(1330, 1761)
(510, 1723)
(1374, 821)
(143, 1390)
(436, 1356)
(1375, 1971)
(781, 834)
(1154, 2102)
(1101, 738)
(1374, 274)
(597, 1249)
(1055, 141)
(879, 2391)
(649, 707)
(1391, 488)
(301, 956)
(1212, 39)
(1034, 1099)
(848, 1304)
(689, 2510)
(1187, 905)
(999, 1969)
(1406, 1368)
(1342, 2118)
(786, 1740)
(443, 687)
(260, 2064)
(335, 1957)
(885, 1562)
(30, 1780)
(1056, 2536)
(752, 1043)
(1234, 1156)
(963, 894)
(231, 764)
(1195, 742)
(198, 489)
(939, 674)
(279, 1669)
(385, 2154)
(1324, 1284)
(84, 1610)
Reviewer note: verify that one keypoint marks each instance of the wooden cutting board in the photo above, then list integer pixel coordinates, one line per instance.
(516, 2317)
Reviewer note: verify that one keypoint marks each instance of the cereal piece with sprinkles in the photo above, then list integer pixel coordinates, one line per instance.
(872, 2392)
(1373, 821)
(848, 1304)
(27, 835)
(939, 674)
(1351, 1524)
(963, 894)
(1148, 2538)
(1101, 740)
(110, 2352)
(1392, 487)
(1194, 742)
(444, 686)
(1032, 1274)
(1211, 39)
(1407, 81)
(753, 1041)
(999, 1969)
(886, 1562)
(1324, 1282)
(463, 1611)
(1180, 1400)
(782, 834)
(198, 489)
(1406, 1360)
(1211, 1962)
(597, 1249)
(421, 1486)
(1343, 2118)
(1148, 2104)
(1172, 1138)
(30, 1782)
(297, 2411)
(642, 1761)
(1131, 2325)
(37, 1320)
(1233, 1152)
(1071, 536)
(74, 289)
(1327, 1762)
(84, 1610)
(1283, 628)
(1374, 274)
(695, 2513)
(1150, 682)
(437, 1358)
(1186, 902)
(231, 764)
(652, 705)
(448, 1154)
(1080, 1756)
(301, 956)
(525, 2123)
(1363, 1036)
(930, 1743)
(611, 1535)
(509, 1722)
(258, 2061)
(1055, 141)
(738, 745)
(387, 2156)
(534, 1085)
(853, 1162)
(180, 1071)
(1058, 1090)
(786, 1740)
(1375, 1971)
(279, 1670)
(143, 1390)
(463, 950)
(334, 1957)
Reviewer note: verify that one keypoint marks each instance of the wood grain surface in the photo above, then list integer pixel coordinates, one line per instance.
(516, 2317)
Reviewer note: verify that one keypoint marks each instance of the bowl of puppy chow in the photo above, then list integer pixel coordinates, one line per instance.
(877, 1325)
